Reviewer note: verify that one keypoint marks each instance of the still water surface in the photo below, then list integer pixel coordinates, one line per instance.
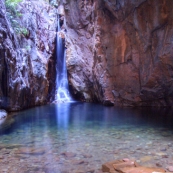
(80, 137)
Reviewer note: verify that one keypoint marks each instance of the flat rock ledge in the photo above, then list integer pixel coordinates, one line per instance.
(3, 114)
(128, 166)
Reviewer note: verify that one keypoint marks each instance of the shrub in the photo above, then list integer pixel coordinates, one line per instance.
(14, 15)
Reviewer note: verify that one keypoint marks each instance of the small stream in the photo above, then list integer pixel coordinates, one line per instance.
(80, 137)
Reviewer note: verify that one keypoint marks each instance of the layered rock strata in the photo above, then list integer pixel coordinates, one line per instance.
(120, 52)
(26, 62)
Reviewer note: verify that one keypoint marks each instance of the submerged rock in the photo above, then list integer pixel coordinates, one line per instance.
(170, 168)
(121, 166)
(30, 151)
(68, 155)
(6, 124)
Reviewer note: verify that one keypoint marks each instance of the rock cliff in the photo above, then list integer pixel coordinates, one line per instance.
(26, 62)
(120, 52)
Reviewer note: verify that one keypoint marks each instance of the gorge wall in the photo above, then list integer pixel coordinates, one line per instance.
(26, 62)
(120, 52)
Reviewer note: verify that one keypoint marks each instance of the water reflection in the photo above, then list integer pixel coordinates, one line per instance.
(81, 136)
(62, 115)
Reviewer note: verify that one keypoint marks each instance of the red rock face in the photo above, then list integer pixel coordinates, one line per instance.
(120, 52)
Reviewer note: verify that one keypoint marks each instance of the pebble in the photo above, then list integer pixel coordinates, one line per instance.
(87, 155)
(68, 154)
(126, 160)
(1, 157)
(158, 164)
(90, 171)
(170, 145)
(170, 168)
(163, 149)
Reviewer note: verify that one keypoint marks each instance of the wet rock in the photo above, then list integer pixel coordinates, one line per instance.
(68, 155)
(6, 124)
(80, 171)
(128, 166)
(161, 154)
(12, 146)
(163, 149)
(169, 145)
(146, 158)
(87, 155)
(158, 165)
(124, 164)
(126, 160)
(30, 151)
(90, 171)
(79, 162)
(107, 167)
(3, 114)
(1, 157)
(21, 156)
(140, 170)
(170, 168)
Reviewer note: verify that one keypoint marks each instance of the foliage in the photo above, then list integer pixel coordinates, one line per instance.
(21, 30)
(11, 7)
(54, 3)
(14, 15)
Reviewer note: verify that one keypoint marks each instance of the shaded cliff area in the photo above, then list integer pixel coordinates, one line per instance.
(120, 52)
(26, 56)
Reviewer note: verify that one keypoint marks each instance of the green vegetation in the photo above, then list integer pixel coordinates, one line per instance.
(53, 3)
(14, 15)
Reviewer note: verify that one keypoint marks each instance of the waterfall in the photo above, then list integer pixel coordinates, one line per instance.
(62, 90)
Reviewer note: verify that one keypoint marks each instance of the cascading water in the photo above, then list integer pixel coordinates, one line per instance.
(62, 90)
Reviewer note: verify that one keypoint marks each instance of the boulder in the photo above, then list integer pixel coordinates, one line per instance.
(3, 114)
(140, 170)
(128, 166)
